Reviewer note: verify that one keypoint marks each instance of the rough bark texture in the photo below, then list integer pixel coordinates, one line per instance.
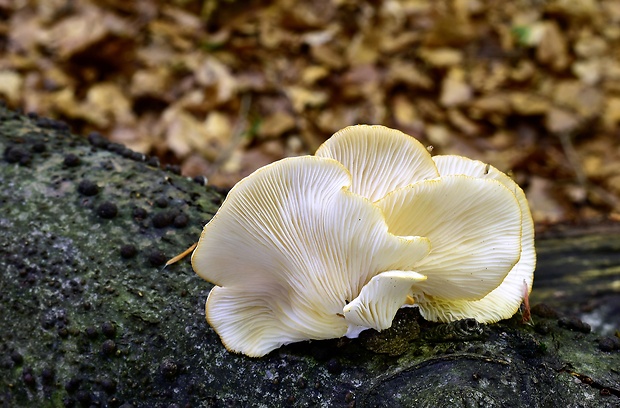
(90, 317)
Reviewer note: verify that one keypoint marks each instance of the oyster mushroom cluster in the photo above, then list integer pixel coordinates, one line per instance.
(325, 246)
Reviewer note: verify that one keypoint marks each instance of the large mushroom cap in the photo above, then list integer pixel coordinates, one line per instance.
(474, 226)
(503, 301)
(379, 159)
(289, 247)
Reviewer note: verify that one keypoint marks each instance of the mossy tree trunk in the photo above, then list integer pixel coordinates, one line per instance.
(90, 317)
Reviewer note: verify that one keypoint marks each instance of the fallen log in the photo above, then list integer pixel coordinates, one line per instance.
(91, 318)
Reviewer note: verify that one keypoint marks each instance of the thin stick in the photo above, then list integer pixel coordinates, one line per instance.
(181, 255)
(237, 134)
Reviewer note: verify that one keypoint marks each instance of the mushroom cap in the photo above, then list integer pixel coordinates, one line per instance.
(474, 226)
(503, 301)
(379, 159)
(288, 248)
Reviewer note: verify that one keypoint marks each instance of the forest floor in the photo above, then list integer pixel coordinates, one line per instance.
(221, 88)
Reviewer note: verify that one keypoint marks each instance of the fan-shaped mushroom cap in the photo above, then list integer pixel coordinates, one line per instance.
(474, 226)
(379, 159)
(509, 294)
(288, 248)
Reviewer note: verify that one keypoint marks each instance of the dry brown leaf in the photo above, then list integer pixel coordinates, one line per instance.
(66, 104)
(363, 49)
(552, 49)
(593, 166)
(577, 9)
(588, 71)
(131, 137)
(153, 82)
(492, 104)
(429, 110)
(328, 55)
(454, 89)
(586, 101)
(463, 123)
(404, 111)
(614, 184)
(502, 140)
(330, 121)
(441, 57)
(399, 42)
(307, 15)
(218, 130)
(488, 78)
(361, 81)
(544, 207)
(185, 134)
(302, 98)
(528, 104)
(273, 148)
(217, 78)
(76, 33)
(611, 115)
(157, 56)
(313, 73)
(26, 31)
(408, 73)
(450, 30)
(590, 46)
(251, 80)
(10, 85)
(523, 71)
(438, 135)
(561, 121)
(276, 124)
(185, 22)
(140, 137)
(107, 104)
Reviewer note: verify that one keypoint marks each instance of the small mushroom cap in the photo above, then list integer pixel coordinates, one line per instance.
(474, 226)
(379, 301)
(503, 301)
(288, 248)
(379, 159)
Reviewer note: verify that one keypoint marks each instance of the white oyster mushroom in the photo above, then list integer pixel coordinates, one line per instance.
(288, 249)
(326, 246)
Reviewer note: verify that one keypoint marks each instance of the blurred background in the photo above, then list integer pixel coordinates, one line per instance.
(222, 87)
